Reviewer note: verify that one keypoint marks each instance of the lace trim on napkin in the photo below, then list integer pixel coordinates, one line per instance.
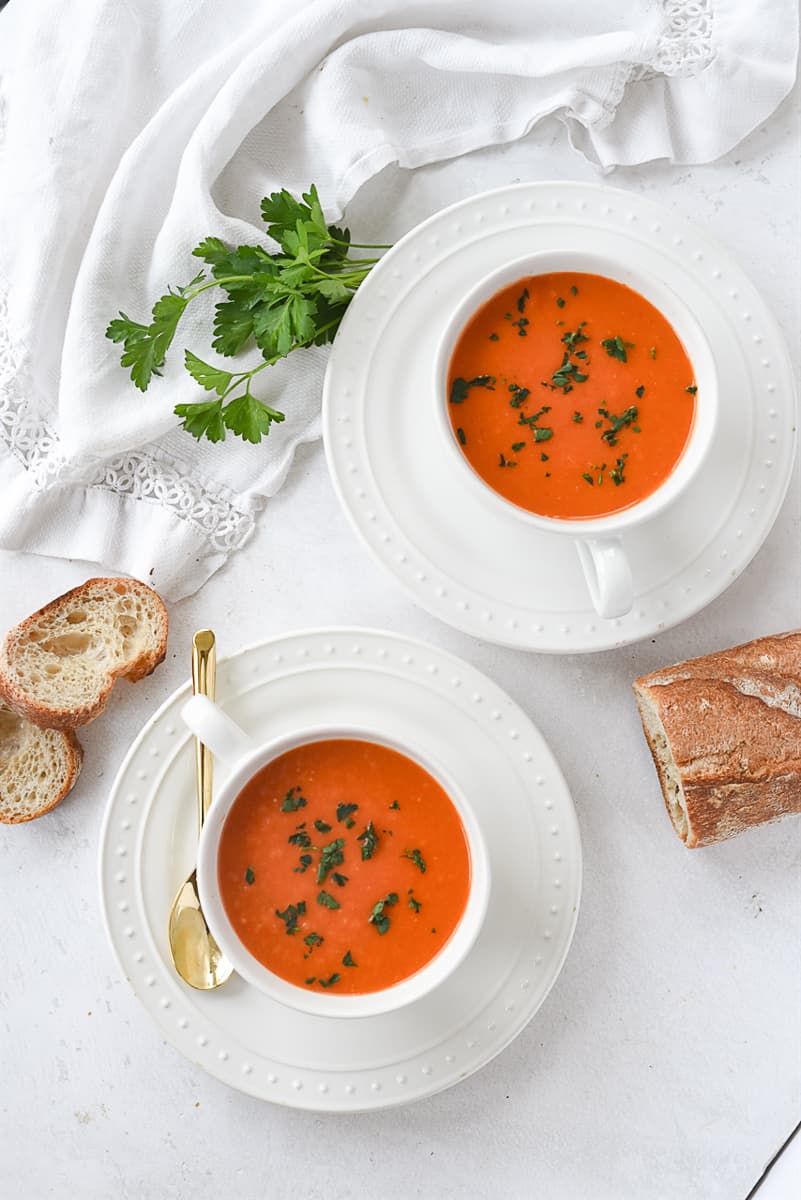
(685, 43)
(134, 474)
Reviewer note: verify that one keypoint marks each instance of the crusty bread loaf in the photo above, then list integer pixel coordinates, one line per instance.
(38, 767)
(58, 667)
(725, 735)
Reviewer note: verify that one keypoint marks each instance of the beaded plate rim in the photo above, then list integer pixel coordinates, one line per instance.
(174, 1007)
(694, 584)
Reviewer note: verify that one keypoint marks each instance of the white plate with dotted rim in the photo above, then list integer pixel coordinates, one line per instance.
(494, 752)
(424, 519)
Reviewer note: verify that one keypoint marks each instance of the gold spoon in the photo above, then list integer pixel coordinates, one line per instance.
(197, 957)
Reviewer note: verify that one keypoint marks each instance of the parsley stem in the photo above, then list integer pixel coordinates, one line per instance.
(360, 245)
(204, 287)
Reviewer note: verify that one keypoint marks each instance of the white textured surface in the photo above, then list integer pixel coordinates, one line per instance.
(665, 1063)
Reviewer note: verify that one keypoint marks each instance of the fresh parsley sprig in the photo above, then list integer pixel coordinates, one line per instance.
(283, 301)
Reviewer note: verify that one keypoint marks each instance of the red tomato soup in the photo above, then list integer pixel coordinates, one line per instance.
(343, 865)
(571, 395)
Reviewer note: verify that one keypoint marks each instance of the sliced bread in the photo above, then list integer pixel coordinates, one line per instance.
(57, 668)
(725, 735)
(38, 767)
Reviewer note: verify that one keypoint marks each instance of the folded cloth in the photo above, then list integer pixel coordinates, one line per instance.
(130, 129)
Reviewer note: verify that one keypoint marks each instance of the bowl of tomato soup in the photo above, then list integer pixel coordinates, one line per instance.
(578, 394)
(342, 873)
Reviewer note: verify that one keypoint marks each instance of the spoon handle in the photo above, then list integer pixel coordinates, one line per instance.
(204, 682)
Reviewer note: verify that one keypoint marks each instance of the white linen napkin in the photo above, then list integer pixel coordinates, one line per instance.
(130, 129)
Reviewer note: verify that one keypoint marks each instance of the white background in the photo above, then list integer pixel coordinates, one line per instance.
(665, 1064)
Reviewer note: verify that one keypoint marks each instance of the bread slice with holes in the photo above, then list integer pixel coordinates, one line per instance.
(725, 734)
(57, 668)
(38, 767)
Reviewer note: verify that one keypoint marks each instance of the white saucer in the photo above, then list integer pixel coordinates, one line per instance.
(427, 522)
(494, 753)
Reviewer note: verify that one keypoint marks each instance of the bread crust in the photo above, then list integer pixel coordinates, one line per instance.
(70, 717)
(74, 752)
(732, 721)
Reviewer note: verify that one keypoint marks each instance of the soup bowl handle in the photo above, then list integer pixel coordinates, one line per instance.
(216, 730)
(608, 574)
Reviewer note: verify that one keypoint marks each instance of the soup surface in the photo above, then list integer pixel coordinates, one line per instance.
(571, 395)
(343, 865)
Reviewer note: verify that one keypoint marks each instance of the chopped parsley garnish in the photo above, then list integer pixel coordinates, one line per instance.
(577, 417)
(574, 289)
(331, 980)
(521, 300)
(520, 325)
(395, 804)
(331, 856)
(542, 435)
(293, 800)
(339, 880)
(312, 979)
(250, 876)
(543, 457)
(560, 302)
(493, 337)
(532, 420)
(326, 900)
(305, 863)
(505, 462)
(610, 436)
(639, 392)
(652, 352)
(616, 474)
(378, 916)
(460, 433)
(567, 374)
(571, 340)
(588, 478)
(615, 347)
(414, 904)
(291, 914)
(348, 960)
(416, 857)
(460, 388)
(518, 446)
(368, 841)
(692, 389)
(301, 838)
(346, 810)
(313, 939)
(519, 395)
(322, 826)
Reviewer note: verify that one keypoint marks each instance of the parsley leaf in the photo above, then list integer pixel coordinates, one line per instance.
(331, 856)
(348, 960)
(378, 916)
(346, 810)
(203, 420)
(145, 346)
(327, 900)
(416, 857)
(369, 841)
(291, 914)
(293, 800)
(460, 388)
(615, 347)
